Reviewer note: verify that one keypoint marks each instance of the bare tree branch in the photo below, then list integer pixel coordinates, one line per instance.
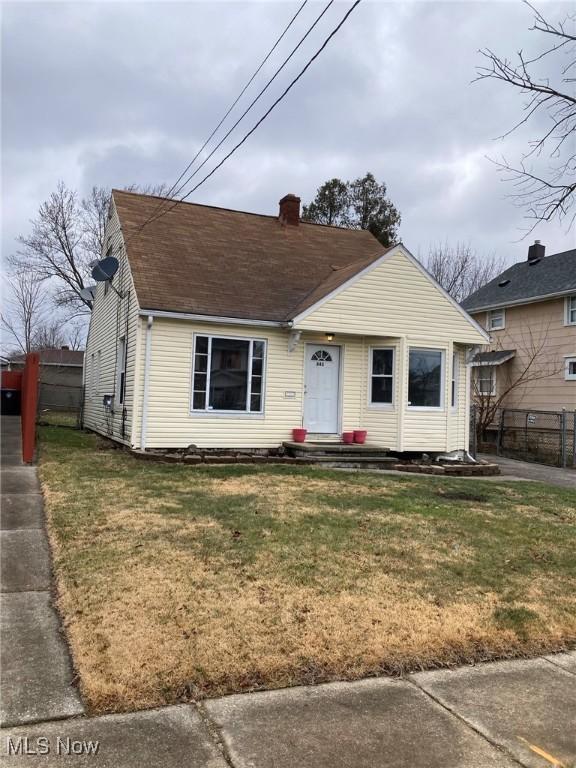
(546, 192)
(460, 270)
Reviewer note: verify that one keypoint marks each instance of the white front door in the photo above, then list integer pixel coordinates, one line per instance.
(321, 388)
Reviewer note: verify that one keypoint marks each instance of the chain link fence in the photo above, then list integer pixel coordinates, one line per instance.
(546, 437)
(60, 404)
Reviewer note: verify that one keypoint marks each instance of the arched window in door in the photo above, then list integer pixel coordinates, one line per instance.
(321, 356)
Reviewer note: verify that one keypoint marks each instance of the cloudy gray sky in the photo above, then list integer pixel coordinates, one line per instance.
(120, 93)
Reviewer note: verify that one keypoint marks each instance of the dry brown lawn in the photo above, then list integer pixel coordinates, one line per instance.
(182, 582)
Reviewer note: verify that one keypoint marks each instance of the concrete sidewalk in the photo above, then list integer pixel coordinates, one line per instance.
(36, 680)
(472, 717)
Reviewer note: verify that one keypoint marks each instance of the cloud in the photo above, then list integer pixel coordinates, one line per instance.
(120, 93)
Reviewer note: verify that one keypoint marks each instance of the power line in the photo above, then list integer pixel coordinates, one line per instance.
(158, 211)
(271, 108)
(242, 92)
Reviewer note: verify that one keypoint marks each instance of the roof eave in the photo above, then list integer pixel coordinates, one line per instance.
(170, 315)
(517, 302)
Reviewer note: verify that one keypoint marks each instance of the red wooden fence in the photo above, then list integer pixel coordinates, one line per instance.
(27, 382)
(29, 405)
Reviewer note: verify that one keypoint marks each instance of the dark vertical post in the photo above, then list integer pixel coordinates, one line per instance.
(563, 438)
(500, 431)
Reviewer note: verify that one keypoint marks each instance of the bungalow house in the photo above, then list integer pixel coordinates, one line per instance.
(530, 312)
(225, 329)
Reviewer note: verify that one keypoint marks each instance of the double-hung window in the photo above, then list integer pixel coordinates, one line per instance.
(382, 376)
(571, 310)
(454, 381)
(228, 374)
(486, 380)
(426, 378)
(496, 320)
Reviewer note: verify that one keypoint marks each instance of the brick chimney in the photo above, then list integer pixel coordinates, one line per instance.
(289, 210)
(64, 346)
(536, 251)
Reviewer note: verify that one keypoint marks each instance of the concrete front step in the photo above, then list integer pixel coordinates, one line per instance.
(349, 462)
(334, 449)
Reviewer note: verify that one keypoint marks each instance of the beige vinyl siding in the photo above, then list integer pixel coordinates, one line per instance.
(541, 326)
(395, 298)
(112, 317)
(172, 424)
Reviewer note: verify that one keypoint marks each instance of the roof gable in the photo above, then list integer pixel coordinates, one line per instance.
(524, 282)
(392, 296)
(200, 260)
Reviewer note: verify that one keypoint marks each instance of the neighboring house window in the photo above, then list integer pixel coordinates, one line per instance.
(382, 376)
(121, 370)
(486, 380)
(454, 382)
(425, 378)
(496, 320)
(228, 374)
(571, 310)
(570, 369)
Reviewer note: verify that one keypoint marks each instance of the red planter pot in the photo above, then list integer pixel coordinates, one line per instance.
(360, 436)
(348, 437)
(299, 435)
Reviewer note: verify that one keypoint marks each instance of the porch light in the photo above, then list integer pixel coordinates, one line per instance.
(329, 337)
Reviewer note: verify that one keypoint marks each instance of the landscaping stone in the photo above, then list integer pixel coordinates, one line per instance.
(378, 723)
(35, 674)
(510, 700)
(173, 737)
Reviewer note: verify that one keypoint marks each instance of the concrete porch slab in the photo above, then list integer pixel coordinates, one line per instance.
(378, 723)
(35, 671)
(510, 700)
(24, 560)
(21, 510)
(335, 447)
(164, 738)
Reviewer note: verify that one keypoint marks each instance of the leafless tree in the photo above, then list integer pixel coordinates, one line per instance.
(460, 270)
(24, 310)
(67, 235)
(545, 192)
(532, 362)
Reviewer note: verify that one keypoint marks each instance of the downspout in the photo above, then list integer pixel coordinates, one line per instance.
(147, 353)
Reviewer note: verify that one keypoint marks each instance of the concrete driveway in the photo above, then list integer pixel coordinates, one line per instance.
(564, 478)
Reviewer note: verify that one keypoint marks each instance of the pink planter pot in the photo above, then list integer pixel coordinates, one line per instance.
(348, 437)
(360, 436)
(299, 435)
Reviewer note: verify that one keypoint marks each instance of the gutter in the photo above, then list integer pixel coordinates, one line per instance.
(517, 302)
(147, 354)
(151, 313)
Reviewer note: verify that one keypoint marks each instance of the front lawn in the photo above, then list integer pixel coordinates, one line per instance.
(179, 582)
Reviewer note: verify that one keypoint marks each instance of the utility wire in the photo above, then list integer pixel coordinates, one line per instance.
(242, 92)
(271, 108)
(156, 215)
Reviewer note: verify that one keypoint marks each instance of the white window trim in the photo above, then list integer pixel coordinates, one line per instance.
(567, 301)
(492, 392)
(567, 375)
(212, 413)
(489, 323)
(434, 408)
(455, 379)
(391, 406)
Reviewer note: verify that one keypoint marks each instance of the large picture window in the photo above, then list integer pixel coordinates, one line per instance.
(425, 377)
(228, 374)
(382, 376)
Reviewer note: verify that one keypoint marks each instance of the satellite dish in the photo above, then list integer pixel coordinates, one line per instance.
(88, 293)
(105, 269)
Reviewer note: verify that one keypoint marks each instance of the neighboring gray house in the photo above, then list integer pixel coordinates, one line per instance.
(60, 377)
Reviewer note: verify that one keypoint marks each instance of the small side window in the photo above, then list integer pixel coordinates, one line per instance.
(496, 320)
(570, 369)
(571, 310)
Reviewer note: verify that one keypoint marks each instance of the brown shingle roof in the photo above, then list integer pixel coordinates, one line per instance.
(213, 261)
